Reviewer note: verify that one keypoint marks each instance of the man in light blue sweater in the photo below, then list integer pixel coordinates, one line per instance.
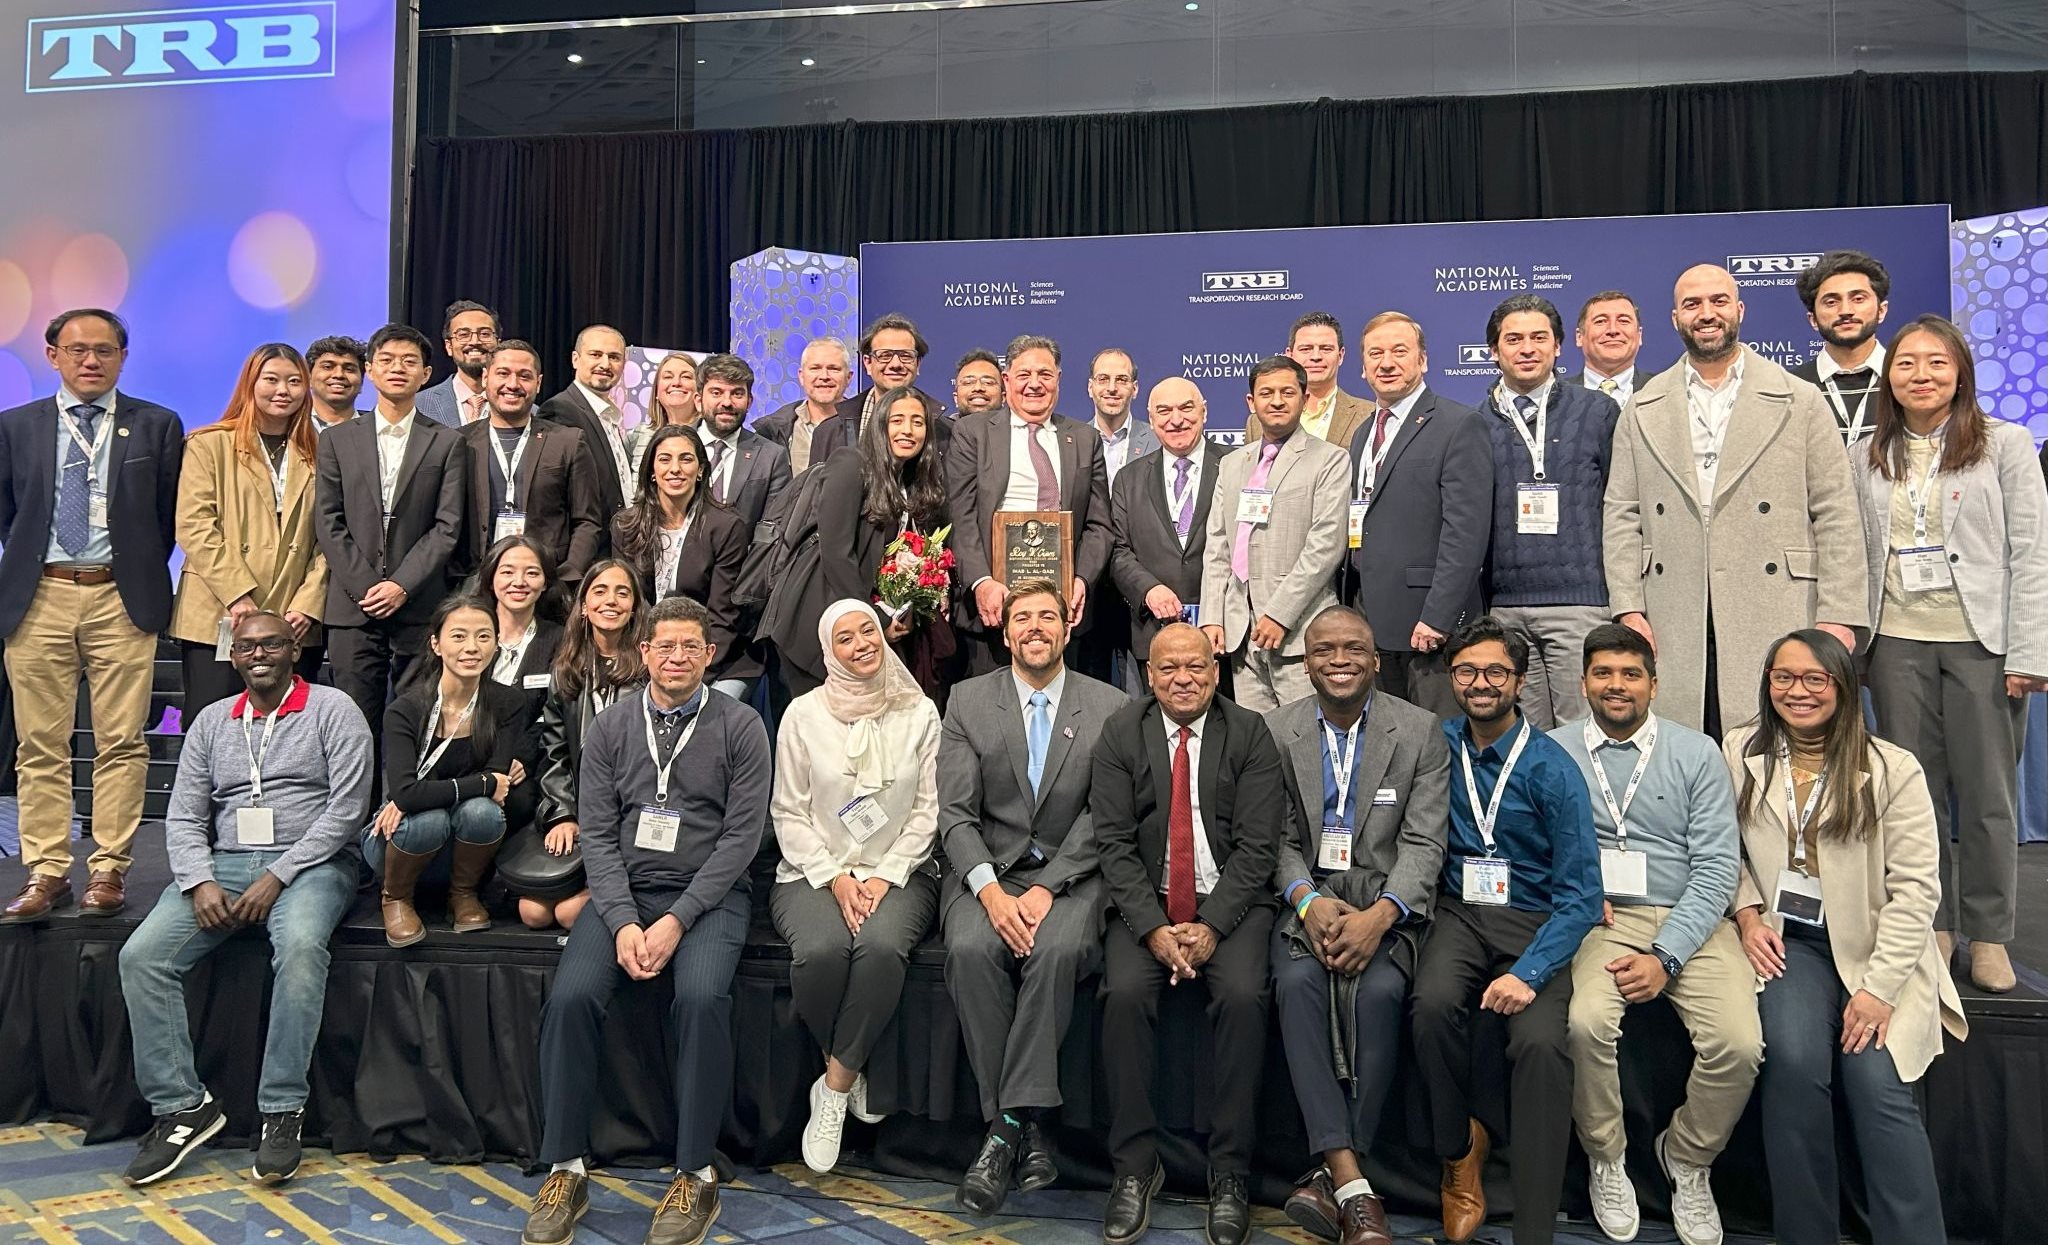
(1664, 808)
(272, 787)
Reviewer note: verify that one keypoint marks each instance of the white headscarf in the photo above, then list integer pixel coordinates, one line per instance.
(861, 702)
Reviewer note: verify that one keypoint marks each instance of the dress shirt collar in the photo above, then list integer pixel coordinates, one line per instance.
(670, 717)
(1118, 437)
(599, 404)
(1401, 409)
(396, 431)
(1601, 739)
(1504, 397)
(1324, 725)
(1019, 422)
(1497, 750)
(1729, 383)
(1625, 378)
(1052, 691)
(1173, 728)
(1825, 367)
(67, 399)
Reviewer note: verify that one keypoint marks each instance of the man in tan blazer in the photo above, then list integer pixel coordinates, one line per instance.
(1276, 537)
(1317, 343)
(1728, 488)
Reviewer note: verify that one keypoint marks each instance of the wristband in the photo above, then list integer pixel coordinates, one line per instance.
(1301, 908)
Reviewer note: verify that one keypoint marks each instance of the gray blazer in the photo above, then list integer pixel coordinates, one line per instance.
(1994, 519)
(437, 402)
(987, 812)
(1294, 557)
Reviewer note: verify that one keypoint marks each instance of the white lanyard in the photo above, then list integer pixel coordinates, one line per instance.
(1535, 444)
(257, 754)
(1486, 819)
(1177, 497)
(92, 448)
(1800, 816)
(661, 767)
(510, 464)
(1852, 423)
(434, 724)
(1646, 743)
(1340, 762)
(1925, 493)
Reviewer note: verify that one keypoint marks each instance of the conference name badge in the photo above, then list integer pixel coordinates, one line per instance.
(255, 827)
(1333, 850)
(1624, 874)
(509, 523)
(658, 829)
(1355, 523)
(96, 507)
(1536, 509)
(1798, 898)
(537, 682)
(223, 639)
(1385, 797)
(863, 817)
(1254, 505)
(1924, 569)
(1486, 881)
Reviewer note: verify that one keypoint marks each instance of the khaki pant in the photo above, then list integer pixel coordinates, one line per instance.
(71, 630)
(1716, 998)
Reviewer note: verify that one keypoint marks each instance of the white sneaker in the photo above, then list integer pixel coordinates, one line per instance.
(1693, 1211)
(828, 1121)
(1614, 1200)
(857, 1101)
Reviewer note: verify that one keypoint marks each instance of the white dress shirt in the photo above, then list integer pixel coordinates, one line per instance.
(505, 666)
(612, 421)
(981, 875)
(1851, 402)
(1020, 492)
(720, 481)
(1707, 412)
(391, 442)
(1173, 499)
(1624, 383)
(1205, 862)
(1397, 415)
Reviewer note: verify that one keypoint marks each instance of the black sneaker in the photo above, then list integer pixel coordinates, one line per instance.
(173, 1137)
(277, 1155)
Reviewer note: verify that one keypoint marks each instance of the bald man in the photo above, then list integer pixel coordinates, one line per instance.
(1731, 515)
(1158, 510)
(599, 362)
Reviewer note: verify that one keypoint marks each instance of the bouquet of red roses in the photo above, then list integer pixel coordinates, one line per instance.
(916, 576)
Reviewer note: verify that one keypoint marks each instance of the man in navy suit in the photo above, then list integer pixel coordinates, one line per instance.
(88, 506)
(469, 332)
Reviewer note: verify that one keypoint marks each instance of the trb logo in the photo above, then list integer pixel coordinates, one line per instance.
(1770, 265)
(170, 47)
(1227, 282)
(1470, 355)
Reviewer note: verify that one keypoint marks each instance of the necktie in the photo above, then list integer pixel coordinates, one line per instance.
(1525, 406)
(1037, 734)
(1241, 552)
(473, 408)
(74, 500)
(717, 481)
(1180, 840)
(1379, 429)
(1041, 466)
(1185, 518)
(1608, 387)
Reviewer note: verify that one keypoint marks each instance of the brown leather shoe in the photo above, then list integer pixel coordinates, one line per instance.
(1313, 1206)
(402, 925)
(39, 895)
(1365, 1222)
(106, 893)
(472, 861)
(1464, 1193)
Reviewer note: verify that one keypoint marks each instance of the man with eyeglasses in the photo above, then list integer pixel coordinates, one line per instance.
(891, 353)
(673, 801)
(261, 831)
(1520, 889)
(468, 332)
(977, 383)
(599, 363)
(88, 495)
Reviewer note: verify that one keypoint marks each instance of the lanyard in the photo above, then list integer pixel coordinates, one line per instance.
(510, 464)
(93, 447)
(1370, 463)
(662, 767)
(1646, 744)
(1176, 498)
(1491, 815)
(434, 724)
(1340, 762)
(1800, 816)
(1852, 421)
(256, 754)
(1502, 400)
(1919, 497)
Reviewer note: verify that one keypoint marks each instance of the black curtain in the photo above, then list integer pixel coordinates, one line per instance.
(638, 229)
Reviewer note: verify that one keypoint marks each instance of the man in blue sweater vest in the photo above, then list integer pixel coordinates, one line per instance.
(1551, 443)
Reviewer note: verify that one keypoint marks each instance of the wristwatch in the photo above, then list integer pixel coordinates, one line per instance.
(1668, 960)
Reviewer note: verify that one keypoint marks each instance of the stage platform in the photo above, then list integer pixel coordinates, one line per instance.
(432, 1051)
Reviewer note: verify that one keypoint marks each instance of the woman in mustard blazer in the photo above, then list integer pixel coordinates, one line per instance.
(245, 522)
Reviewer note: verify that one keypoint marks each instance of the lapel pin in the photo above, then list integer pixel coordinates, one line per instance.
(1069, 732)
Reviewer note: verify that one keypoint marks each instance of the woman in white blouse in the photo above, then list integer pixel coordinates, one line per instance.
(856, 814)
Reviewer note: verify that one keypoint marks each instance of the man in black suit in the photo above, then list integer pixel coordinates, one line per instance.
(552, 494)
(1158, 509)
(389, 496)
(891, 353)
(1187, 797)
(88, 505)
(1421, 514)
(1610, 336)
(1023, 456)
(599, 361)
(823, 370)
(1846, 295)
(744, 470)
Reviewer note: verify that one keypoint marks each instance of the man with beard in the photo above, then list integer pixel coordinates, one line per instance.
(1368, 779)
(336, 380)
(977, 383)
(1610, 335)
(468, 332)
(1014, 819)
(1728, 489)
(1845, 296)
(528, 476)
(599, 361)
(822, 370)
(743, 469)
(891, 353)
(1520, 889)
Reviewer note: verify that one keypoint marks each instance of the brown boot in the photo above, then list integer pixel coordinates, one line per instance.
(402, 870)
(1464, 1193)
(1991, 967)
(472, 861)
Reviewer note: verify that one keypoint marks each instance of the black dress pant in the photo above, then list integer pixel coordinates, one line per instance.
(369, 664)
(1421, 679)
(1238, 989)
(1468, 946)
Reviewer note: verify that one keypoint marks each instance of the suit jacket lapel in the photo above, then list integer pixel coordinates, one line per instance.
(529, 465)
(1159, 756)
(1062, 742)
(1667, 429)
(1305, 750)
(124, 418)
(1215, 740)
(415, 450)
(1284, 461)
(995, 466)
(1752, 426)
(1155, 488)
(1073, 472)
(1205, 491)
(1418, 415)
(1011, 715)
(1376, 753)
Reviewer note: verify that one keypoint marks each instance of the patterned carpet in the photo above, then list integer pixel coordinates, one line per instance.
(53, 1189)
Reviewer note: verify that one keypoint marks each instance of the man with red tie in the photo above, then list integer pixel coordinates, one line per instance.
(1187, 800)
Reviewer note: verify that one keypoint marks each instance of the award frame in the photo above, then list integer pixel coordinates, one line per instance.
(1033, 544)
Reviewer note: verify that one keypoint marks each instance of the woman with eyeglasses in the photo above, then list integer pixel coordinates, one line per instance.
(674, 402)
(1955, 523)
(518, 578)
(245, 522)
(457, 755)
(1835, 902)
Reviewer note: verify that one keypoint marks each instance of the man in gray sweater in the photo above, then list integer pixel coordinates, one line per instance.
(272, 786)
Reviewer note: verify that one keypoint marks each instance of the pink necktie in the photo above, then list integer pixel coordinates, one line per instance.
(1241, 552)
(1041, 465)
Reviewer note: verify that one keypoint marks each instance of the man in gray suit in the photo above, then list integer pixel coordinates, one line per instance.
(1276, 539)
(1368, 778)
(1021, 903)
(1102, 648)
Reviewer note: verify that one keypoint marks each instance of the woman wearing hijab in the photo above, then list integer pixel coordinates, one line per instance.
(856, 814)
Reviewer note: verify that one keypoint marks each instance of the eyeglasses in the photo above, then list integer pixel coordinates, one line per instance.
(692, 649)
(1466, 675)
(485, 336)
(270, 646)
(893, 356)
(105, 354)
(1815, 681)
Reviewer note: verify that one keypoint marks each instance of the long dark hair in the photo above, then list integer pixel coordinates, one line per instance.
(547, 605)
(1965, 438)
(425, 675)
(576, 658)
(1849, 809)
(890, 487)
(636, 532)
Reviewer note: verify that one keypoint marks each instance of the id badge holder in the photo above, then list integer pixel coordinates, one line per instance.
(1924, 569)
(256, 827)
(1254, 505)
(1486, 881)
(1355, 523)
(1798, 898)
(863, 817)
(1623, 874)
(509, 523)
(1536, 509)
(223, 639)
(96, 507)
(1333, 848)
(537, 682)
(657, 829)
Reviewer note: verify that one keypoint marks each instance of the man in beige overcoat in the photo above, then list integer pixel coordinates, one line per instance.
(1731, 515)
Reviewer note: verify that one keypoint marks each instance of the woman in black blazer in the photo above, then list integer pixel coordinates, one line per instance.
(683, 543)
(518, 579)
(458, 755)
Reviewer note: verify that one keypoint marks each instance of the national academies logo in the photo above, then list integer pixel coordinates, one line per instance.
(1269, 285)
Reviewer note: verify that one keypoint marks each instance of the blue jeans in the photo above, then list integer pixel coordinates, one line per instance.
(169, 942)
(423, 834)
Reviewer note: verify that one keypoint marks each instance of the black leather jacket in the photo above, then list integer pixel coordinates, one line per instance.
(562, 726)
